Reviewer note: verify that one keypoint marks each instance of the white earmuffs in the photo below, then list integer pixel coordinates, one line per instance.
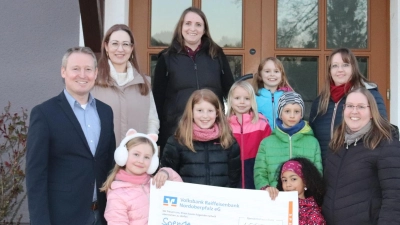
(121, 153)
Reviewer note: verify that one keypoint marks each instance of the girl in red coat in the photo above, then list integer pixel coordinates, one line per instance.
(300, 174)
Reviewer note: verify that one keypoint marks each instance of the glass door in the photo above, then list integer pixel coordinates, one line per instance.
(154, 23)
(301, 33)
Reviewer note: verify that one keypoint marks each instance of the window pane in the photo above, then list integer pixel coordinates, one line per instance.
(302, 73)
(153, 63)
(363, 65)
(164, 17)
(225, 21)
(347, 23)
(235, 62)
(297, 24)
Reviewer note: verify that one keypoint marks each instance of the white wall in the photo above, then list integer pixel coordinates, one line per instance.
(116, 11)
(394, 61)
(34, 37)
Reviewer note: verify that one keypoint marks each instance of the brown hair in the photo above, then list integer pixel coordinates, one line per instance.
(103, 78)
(356, 80)
(380, 127)
(177, 37)
(258, 82)
(184, 132)
(132, 143)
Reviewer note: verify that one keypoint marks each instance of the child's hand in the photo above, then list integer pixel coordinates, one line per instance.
(273, 192)
(160, 178)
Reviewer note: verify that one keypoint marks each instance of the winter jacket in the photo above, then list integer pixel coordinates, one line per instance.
(323, 125)
(363, 185)
(124, 101)
(172, 87)
(310, 212)
(249, 136)
(280, 147)
(267, 104)
(128, 201)
(209, 165)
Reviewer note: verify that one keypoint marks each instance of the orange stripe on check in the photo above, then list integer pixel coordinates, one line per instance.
(290, 216)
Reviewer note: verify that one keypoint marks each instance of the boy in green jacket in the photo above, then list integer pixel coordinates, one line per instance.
(292, 137)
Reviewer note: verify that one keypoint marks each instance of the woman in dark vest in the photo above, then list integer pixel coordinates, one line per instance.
(193, 61)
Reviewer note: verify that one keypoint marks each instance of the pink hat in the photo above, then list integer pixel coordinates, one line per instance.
(293, 166)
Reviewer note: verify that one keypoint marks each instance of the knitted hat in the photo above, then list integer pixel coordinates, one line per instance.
(121, 153)
(292, 98)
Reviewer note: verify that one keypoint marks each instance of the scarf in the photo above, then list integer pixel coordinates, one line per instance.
(290, 130)
(205, 134)
(337, 92)
(192, 53)
(122, 175)
(351, 137)
(122, 78)
(285, 89)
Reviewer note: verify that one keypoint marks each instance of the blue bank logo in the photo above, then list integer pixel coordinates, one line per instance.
(170, 201)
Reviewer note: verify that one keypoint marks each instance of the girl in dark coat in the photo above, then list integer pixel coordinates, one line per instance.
(203, 149)
(301, 175)
(362, 170)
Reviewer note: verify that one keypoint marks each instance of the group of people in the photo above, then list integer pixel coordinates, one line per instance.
(343, 162)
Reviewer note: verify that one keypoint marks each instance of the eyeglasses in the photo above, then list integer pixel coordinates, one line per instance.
(358, 107)
(125, 45)
(343, 66)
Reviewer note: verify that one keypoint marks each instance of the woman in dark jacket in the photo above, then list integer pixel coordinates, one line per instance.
(342, 76)
(203, 149)
(193, 61)
(362, 170)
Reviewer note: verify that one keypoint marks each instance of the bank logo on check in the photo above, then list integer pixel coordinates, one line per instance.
(170, 201)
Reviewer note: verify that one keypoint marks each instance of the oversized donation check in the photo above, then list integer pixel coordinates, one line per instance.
(192, 204)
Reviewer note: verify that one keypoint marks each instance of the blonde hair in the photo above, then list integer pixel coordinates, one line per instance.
(380, 127)
(132, 143)
(184, 132)
(258, 82)
(247, 87)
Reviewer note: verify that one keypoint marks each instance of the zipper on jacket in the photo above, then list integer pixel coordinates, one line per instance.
(273, 110)
(144, 191)
(197, 78)
(241, 152)
(290, 146)
(334, 116)
(208, 182)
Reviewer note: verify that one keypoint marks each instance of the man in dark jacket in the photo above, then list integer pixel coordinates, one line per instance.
(70, 149)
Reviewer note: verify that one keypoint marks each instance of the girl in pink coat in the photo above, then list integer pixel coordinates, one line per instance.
(128, 185)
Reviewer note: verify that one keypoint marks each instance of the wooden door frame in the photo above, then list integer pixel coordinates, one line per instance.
(257, 11)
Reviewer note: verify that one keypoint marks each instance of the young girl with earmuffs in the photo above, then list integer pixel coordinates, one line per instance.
(128, 185)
